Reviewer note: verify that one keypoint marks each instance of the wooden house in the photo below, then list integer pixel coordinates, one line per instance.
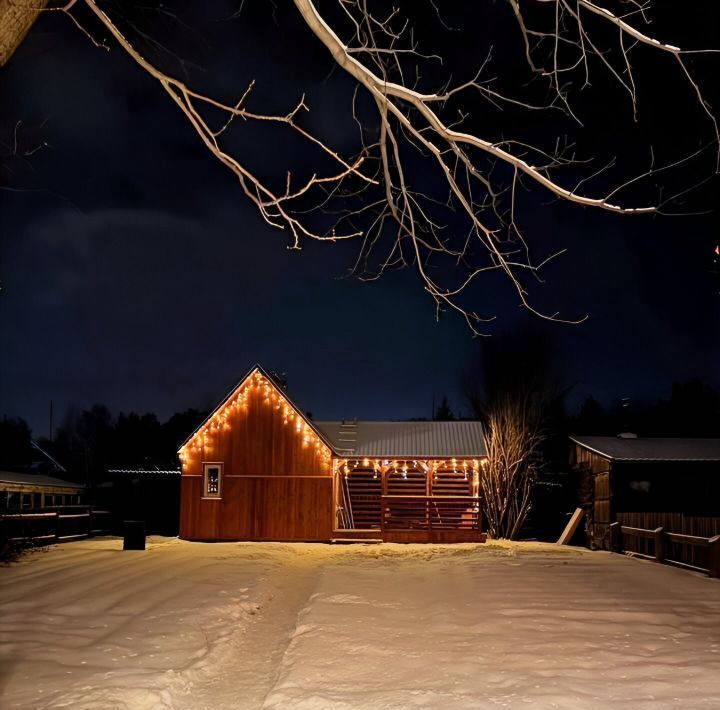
(649, 483)
(259, 469)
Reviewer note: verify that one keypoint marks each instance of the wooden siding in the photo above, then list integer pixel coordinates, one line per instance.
(582, 458)
(600, 512)
(259, 508)
(255, 441)
(277, 474)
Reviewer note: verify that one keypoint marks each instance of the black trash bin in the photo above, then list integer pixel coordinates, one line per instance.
(134, 537)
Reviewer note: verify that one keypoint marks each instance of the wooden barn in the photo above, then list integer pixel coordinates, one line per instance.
(259, 469)
(647, 482)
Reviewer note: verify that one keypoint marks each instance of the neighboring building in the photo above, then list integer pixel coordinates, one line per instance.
(31, 491)
(260, 469)
(151, 494)
(656, 477)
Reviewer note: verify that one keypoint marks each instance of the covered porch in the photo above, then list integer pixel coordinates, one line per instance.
(408, 500)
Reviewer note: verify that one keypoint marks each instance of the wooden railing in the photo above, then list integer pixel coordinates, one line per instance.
(668, 547)
(699, 525)
(430, 513)
(59, 525)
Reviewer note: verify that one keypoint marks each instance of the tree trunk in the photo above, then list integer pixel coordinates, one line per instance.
(16, 19)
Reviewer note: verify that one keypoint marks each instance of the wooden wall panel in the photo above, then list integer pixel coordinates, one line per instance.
(263, 508)
(594, 462)
(199, 518)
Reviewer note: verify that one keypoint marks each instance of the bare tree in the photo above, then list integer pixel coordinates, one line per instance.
(469, 228)
(512, 387)
(513, 436)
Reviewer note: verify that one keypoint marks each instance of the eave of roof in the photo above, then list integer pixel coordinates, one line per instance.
(33, 479)
(608, 447)
(146, 471)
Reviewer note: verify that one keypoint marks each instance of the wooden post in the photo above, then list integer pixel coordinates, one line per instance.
(571, 527)
(659, 545)
(616, 541)
(714, 551)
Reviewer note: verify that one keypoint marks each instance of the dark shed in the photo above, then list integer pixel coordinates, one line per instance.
(650, 482)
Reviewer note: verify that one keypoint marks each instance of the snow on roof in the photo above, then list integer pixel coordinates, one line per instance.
(618, 448)
(35, 479)
(406, 439)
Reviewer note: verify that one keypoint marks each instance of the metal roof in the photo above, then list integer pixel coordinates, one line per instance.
(406, 439)
(618, 448)
(146, 471)
(34, 479)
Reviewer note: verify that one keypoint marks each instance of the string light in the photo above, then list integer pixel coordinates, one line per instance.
(257, 386)
(221, 421)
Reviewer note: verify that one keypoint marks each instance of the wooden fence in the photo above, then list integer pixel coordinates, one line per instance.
(694, 552)
(47, 526)
(431, 512)
(702, 526)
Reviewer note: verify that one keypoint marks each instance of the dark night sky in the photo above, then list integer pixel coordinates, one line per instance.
(135, 273)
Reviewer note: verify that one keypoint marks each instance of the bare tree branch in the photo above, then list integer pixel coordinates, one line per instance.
(470, 230)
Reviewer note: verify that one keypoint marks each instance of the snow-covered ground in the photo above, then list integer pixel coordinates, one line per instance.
(195, 626)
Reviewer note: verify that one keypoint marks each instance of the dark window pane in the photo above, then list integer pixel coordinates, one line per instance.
(213, 480)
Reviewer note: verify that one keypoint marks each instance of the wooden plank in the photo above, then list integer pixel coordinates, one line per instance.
(257, 508)
(571, 527)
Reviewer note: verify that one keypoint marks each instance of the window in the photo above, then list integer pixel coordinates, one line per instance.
(212, 474)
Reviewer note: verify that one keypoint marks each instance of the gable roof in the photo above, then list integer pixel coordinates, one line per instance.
(618, 448)
(233, 392)
(406, 439)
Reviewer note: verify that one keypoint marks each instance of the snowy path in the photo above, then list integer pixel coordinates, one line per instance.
(192, 627)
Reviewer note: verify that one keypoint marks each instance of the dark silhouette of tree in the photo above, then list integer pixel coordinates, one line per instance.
(693, 409)
(90, 442)
(16, 452)
(443, 412)
(512, 387)
(592, 419)
(177, 429)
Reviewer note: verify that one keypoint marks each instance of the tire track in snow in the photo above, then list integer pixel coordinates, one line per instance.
(241, 669)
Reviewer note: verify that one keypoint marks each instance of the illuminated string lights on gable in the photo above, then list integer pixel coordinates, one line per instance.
(262, 390)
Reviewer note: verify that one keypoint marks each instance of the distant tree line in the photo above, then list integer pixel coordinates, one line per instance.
(90, 441)
(693, 409)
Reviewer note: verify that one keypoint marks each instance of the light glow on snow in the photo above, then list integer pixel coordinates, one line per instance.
(383, 627)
